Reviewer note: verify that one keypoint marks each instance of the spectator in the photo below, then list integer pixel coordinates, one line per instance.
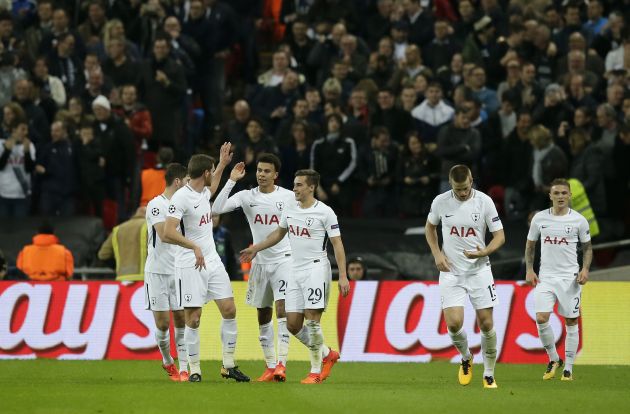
(432, 114)
(418, 177)
(40, 28)
(300, 44)
(153, 179)
(17, 161)
(549, 162)
(587, 165)
(3, 266)
(618, 200)
(408, 68)
(127, 245)
(351, 56)
(163, 87)
(93, 28)
(118, 66)
(296, 154)
(438, 53)
(378, 165)
(457, 143)
(400, 37)
(115, 29)
(554, 110)
(96, 86)
(420, 22)
(137, 117)
(10, 75)
(185, 49)
(356, 269)
(596, 22)
(487, 96)
(36, 117)
(379, 23)
(516, 161)
(572, 23)
(577, 95)
(394, 119)
(236, 127)
(59, 32)
(65, 64)
(275, 75)
(453, 76)
(256, 142)
(117, 142)
(49, 85)
(299, 113)
(225, 248)
(480, 46)
(530, 92)
(335, 158)
(408, 99)
(11, 113)
(272, 104)
(57, 171)
(617, 58)
(74, 116)
(46, 260)
(91, 168)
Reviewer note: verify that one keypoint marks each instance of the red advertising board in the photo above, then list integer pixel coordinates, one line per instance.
(402, 321)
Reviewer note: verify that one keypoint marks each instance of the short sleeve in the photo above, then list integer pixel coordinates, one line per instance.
(534, 230)
(155, 214)
(584, 231)
(493, 221)
(434, 213)
(177, 208)
(283, 219)
(331, 224)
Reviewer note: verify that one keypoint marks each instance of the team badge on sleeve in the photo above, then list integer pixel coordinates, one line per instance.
(155, 211)
(171, 209)
(475, 217)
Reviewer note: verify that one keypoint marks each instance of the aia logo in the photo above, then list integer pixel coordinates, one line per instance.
(205, 219)
(475, 217)
(266, 219)
(299, 231)
(463, 231)
(556, 240)
(280, 205)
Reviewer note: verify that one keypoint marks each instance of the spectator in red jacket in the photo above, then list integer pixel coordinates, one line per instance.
(136, 116)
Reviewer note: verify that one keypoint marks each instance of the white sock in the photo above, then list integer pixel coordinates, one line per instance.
(545, 333)
(460, 340)
(571, 345)
(489, 349)
(283, 341)
(182, 352)
(303, 337)
(163, 340)
(191, 337)
(316, 342)
(228, 338)
(266, 342)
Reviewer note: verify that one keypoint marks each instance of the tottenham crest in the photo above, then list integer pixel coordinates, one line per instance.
(188, 297)
(309, 221)
(567, 229)
(475, 217)
(280, 205)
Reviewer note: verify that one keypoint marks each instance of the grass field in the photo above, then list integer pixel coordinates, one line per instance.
(49, 386)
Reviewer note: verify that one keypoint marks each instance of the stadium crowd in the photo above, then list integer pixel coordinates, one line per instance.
(382, 97)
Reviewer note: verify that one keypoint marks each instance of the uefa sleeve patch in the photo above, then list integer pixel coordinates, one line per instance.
(334, 226)
(171, 209)
(494, 220)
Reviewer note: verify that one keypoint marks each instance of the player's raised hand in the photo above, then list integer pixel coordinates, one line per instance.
(344, 286)
(582, 277)
(238, 171)
(532, 278)
(200, 261)
(475, 254)
(442, 263)
(225, 154)
(247, 255)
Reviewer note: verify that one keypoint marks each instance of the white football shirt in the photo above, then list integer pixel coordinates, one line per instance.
(309, 230)
(194, 213)
(160, 255)
(263, 212)
(464, 225)
(559, 236)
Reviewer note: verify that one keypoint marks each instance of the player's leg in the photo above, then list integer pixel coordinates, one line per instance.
(260, 296)
(569, 294)
(179, 322)
(482, 294)
(279, 278)
(192, 295)
(220, 290)
(316, 340)
(453, 295)
(544, 301)
(157, 300)
(192, 318)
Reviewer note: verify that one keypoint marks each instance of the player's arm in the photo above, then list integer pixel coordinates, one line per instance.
(223, 204)
(587, 259)
(498, 240)
(247, 255)
(172, 236)
(441, 261)
(530, 251)
(225, 157)
(340, 257)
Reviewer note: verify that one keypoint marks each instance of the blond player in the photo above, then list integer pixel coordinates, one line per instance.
(198, 266)
(465, 214)
(159, 277)
(271, 268)
(309, 224)
(559, 229)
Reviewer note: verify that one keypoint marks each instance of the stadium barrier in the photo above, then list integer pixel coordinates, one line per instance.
(394, 321)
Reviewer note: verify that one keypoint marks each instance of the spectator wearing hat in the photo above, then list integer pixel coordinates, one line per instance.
(480, 46)
(118, 150)
(46, 260)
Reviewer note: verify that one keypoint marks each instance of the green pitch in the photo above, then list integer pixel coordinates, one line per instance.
(120, 387)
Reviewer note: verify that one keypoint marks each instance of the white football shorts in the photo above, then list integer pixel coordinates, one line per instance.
(267, 283)
(200, 286)
(478, 287)
(161, 292)
(309, 288)
(567, 292)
